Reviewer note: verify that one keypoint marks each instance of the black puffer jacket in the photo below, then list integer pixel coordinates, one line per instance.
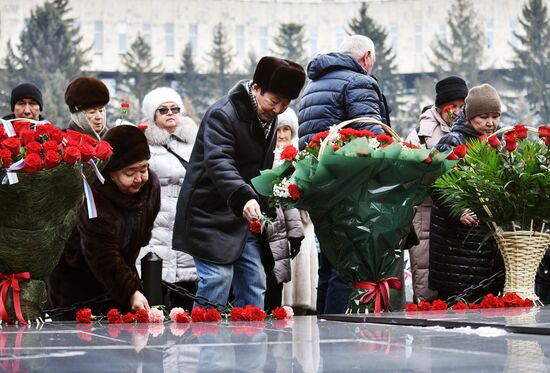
(340, 89)
(460, 256)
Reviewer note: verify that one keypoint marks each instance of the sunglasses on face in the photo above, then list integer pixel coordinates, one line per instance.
(164, 110)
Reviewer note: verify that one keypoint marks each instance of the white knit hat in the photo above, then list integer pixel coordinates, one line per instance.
(288, 118)
(157, 97)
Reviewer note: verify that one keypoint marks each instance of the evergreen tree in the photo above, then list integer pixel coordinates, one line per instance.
(385, 68)
(462, 53)
(192, 85)
(531, 71)
(221, 58)
(49, 55)
(141, 75)
(290, 43)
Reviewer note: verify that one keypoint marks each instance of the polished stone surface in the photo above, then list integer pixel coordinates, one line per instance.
(305, 344)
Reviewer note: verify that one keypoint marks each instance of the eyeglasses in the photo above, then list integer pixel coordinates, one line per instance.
(164, 110)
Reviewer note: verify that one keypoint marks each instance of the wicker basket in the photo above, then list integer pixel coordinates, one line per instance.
(522, 252)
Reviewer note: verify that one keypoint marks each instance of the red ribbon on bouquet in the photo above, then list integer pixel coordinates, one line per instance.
(378, 290)
(13, 282)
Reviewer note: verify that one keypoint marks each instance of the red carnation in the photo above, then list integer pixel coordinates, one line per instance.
(365, 133)
(544, 131)
(71, 154)
(473, 306)
(33, 147)
(521, 131)
(5, 156)
(84, 315)
(493, 141)
(51, 159)
(439, 305)
(212, 315)
(424, 306)
(527, 303)
(26, 136)
(33, 163)
(488, 301)
(87, 151)
(510, 140)
(12, 144)
(198, 314)
(255, 313)
(20, 125)
(384, 139)
(411, 307)
(103, 150)
(128, 318)
(50, 145)
(452, 157)
(512, 300)
(114, 316)
(3, 134)
(427, 160)
(460, 306)
(289, 153)
(238, 314)
(255, 226)
(460, 150)
(183, 317)
(142, 315)
(125, 105)
(335, 147)
(279, 313)
(294, 191)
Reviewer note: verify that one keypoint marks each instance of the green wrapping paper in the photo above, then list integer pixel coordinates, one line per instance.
(361, 200)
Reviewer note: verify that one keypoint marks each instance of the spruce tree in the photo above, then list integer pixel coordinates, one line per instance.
(290, 43)
(385, 68)
(221, 59)
(462, 53)
(49, 54)
(530, 74)
(141, 74)
(193, 85)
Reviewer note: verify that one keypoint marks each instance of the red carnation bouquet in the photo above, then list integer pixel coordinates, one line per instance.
(44, 173)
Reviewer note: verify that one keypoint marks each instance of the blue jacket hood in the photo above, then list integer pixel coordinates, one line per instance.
(324, 63)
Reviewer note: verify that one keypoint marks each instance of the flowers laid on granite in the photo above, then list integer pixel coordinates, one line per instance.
(506, 183)
(179, 315)
(509, 300)
(360, 190)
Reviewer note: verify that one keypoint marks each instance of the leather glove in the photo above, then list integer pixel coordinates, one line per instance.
(295, 244)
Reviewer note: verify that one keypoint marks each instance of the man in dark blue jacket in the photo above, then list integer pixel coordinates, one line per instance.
(216, 203)
(341, 88)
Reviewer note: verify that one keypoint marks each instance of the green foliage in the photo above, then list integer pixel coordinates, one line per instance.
(290, 43)
(531, 71)
(141, 75)
(385, 68)
(48, 55)
(191, 84)
(221, 58)
(462, 53)
(501, 187)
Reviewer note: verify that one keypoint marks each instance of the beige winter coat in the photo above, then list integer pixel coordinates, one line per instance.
(431, 128)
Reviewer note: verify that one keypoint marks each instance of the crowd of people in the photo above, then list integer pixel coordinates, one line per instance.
(183, 191)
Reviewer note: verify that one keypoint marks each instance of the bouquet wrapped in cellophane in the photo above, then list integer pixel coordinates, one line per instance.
(43, 171)
(360, 190)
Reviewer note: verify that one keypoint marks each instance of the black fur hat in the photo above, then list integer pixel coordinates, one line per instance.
(129, 146)
(282, 77)
(86, 92)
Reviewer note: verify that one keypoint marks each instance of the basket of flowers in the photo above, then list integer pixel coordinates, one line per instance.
(43, 172)
(360, 190)
(506, 183)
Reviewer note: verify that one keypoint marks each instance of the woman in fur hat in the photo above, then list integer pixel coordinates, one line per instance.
(171, 136)
(86, 98)
(460, 253)
(100, 255)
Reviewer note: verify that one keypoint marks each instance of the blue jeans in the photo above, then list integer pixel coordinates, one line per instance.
(332, 291)
(246, 277)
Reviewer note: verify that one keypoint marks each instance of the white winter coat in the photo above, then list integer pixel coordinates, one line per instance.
(176, 265)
